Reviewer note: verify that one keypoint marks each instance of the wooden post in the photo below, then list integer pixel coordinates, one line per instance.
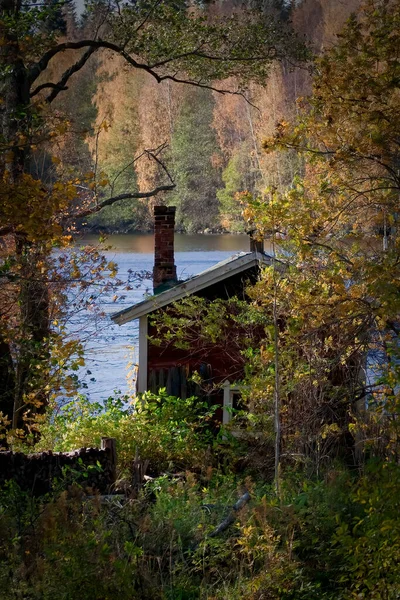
(143, 349)
(226, 412)
(111, 445)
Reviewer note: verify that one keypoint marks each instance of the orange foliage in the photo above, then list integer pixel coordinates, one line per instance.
(230, 121)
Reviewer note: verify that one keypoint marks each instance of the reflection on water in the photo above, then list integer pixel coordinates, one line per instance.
(111, 348)
(144, 243)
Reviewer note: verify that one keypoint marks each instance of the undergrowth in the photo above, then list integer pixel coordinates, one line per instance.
(170, 433)
(336, 539)
(332, 538)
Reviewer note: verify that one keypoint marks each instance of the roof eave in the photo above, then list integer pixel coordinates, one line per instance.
(191, 286)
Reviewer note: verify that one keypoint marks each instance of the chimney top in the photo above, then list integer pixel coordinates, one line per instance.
(164, 210)
(256, 242)
(164, 271)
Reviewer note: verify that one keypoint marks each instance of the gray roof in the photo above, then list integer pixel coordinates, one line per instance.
(222, 270)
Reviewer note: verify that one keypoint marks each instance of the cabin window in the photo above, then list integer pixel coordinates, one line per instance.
(232, 400)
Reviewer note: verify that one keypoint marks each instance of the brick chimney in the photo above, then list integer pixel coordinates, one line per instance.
(164, 272)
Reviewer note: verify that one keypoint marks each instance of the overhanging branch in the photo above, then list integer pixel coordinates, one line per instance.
(69, 72)
(127, 196)
(45, 86)
(62, 84)
(43, 63)
(94, 45)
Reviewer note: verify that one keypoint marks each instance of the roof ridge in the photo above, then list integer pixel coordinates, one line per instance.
(218, 272)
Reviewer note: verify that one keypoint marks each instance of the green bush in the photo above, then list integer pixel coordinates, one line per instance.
(62, 547)
(367, 544)
(344, 532)
(70, 546)
(169, 432)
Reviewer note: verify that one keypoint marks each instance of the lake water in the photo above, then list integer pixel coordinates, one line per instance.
(112, 350)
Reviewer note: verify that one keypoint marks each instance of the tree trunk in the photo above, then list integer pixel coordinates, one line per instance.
(31, 354)
(32, 369)
(7, 381)
(14, 92)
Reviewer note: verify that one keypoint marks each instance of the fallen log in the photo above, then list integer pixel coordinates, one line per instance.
(243, 500)
(229, 519)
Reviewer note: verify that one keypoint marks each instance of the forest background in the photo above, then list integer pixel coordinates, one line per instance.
(213, 141)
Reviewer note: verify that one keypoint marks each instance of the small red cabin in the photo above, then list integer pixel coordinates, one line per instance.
(172, 368)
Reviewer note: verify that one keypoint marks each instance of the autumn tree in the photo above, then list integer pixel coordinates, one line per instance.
(336, 231)
(329, 306)
(168, 41)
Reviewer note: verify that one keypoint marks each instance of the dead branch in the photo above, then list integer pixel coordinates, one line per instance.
(127, 196)
(150, 153)
(243, 500)
(153, 154)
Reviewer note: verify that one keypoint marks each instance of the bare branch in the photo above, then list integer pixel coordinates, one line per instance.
(204, 86)
(68, 73)
(44, 86)
(127, 196)
(132, 162)
(153, 154)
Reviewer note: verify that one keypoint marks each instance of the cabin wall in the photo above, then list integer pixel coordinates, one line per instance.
(172, 368)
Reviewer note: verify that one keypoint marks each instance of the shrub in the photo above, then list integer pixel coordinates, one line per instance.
(62, 547)
(169, 432)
